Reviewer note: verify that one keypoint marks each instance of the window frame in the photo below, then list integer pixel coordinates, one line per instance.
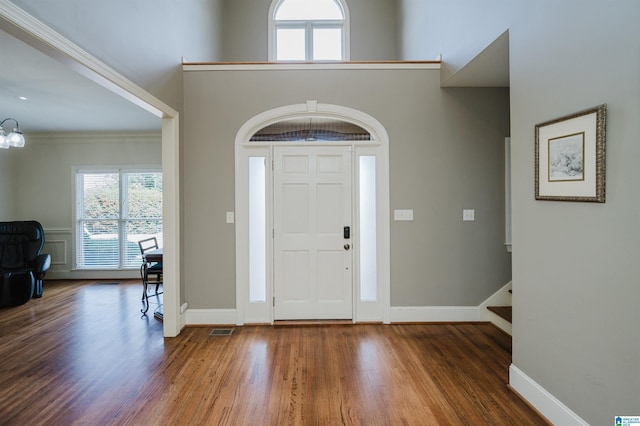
(123, 218)
(308, 26)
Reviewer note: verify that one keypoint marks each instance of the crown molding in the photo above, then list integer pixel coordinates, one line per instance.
(94, 137)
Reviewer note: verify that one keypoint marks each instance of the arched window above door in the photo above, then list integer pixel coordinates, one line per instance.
(308, 30)
(311, 129)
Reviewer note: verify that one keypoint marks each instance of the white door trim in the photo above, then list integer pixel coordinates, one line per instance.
(247, 312)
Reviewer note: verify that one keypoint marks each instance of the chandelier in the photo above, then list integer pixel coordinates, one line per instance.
(13, 139)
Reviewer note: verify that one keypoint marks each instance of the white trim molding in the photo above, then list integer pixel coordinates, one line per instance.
(501, 297)
(92, 274)
(434, 314)
(307, 66)
(507, 194)
(402, 314)
(58, 242)
(210, 316)
(548, 405)
(397, 314)
(93, 137)
(58, 251)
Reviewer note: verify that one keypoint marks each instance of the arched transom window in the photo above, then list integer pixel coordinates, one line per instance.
(308, 30)
(307, 129)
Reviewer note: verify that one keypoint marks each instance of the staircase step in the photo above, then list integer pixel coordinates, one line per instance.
(502, 311)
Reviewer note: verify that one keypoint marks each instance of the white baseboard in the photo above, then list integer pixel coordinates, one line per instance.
(398, 314)
(434, 313)
(78, 274)
(548, 405)
(210, 316)
(501, 297)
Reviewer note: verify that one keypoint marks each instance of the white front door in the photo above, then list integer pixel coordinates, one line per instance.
(312, 258)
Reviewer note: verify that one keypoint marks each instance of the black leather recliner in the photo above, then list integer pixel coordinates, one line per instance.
(22, 266)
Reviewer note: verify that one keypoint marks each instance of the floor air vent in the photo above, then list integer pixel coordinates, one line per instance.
(221, 332)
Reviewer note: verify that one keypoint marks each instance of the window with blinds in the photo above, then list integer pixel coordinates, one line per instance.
(114, 210)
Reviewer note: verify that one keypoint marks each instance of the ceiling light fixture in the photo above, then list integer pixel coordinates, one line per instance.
(13, 139)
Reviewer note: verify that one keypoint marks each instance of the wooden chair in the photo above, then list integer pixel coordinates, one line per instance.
(149, 269)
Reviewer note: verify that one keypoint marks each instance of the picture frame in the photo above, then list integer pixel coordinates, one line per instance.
(570, 157)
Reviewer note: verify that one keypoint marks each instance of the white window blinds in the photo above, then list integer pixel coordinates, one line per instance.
(114, 210)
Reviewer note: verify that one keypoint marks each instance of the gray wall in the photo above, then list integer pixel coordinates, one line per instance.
(373, 30)
(244, 30)
(575, 265)
(7, 203)
(44, 169)
(446, 154)
(458, 30)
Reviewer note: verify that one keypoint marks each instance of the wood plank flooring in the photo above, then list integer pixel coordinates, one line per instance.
(83, 355)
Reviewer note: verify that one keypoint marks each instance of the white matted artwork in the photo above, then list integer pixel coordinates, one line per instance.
(570, 157)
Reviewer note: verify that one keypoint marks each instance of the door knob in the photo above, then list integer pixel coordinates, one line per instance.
(347, 246)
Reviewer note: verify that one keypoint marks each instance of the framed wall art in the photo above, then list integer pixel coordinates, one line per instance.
(570, 157)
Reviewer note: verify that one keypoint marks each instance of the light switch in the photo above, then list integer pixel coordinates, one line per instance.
(403, 215)
(468, 215)
(230, 218)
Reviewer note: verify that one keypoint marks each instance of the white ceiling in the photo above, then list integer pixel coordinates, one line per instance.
(58, 98)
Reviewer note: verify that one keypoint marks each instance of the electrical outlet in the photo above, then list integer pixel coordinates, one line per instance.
(230, 218)
(468, 215)
(403, 215)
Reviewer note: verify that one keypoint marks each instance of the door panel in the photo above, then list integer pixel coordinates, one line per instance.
(296, 269)
(295, 209)
(312, 205)
(330, 208)
(330, 267)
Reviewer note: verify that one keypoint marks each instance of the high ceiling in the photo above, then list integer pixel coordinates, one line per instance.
(58, 98)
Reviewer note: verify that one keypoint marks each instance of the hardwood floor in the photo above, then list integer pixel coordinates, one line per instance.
(83, 355)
